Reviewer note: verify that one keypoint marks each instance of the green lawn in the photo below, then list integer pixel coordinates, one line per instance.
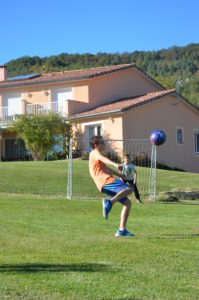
(53, 248)
(50, 179)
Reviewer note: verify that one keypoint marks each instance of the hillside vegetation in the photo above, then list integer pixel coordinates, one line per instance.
(167, 66)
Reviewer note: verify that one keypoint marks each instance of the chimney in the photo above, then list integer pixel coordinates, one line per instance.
(3, 73)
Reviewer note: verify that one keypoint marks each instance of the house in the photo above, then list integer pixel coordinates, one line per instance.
(120, 101)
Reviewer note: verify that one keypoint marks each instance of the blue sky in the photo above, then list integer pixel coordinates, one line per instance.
(44, 28)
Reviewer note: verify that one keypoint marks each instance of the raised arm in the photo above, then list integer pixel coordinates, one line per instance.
(113, 172)
(106, 160)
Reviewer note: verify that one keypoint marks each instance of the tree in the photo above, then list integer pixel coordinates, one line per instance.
(165, 64)
(40, 132)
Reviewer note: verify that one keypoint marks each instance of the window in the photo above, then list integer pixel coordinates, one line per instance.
(91, 131)
(180, 135)
(59, 97)
(12, 103)
(99, 130)
(94, 130)
(15, 149)
(196, 141)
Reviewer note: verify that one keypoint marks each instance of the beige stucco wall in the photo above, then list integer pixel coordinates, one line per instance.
(166, 114)
(36, 94)
(29, 93)
(111, 126)
(74, 107)
(111, 129)
(96, 91)
(119, 85)
(80, 91)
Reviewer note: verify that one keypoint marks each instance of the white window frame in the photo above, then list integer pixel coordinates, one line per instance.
(6, 96)
(181, 128)
(91, 124)
(85, 129)
(61, 108)
(95, 133)
(195, 131)
(95, 127)
(62, 89)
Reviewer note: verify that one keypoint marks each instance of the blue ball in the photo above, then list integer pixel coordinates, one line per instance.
(158, 137)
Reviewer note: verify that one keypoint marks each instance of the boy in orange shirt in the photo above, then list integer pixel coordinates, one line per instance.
(108, 184)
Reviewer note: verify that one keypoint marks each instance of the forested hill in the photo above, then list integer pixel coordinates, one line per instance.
(166, 65)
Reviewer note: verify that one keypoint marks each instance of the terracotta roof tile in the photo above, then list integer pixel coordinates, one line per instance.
(123, 104)
(66, 76)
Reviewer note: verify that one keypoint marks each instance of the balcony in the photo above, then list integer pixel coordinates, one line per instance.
(45, 108)
(7, 115)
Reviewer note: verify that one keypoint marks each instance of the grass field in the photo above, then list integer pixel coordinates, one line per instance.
(53, 248)
(50, 179)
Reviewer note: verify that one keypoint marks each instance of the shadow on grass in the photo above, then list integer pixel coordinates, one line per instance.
(174, 236)
(37, 268)
(177, 203)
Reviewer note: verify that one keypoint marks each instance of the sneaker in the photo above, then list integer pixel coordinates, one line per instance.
(139, 201)
(124, 232)
(106, 203)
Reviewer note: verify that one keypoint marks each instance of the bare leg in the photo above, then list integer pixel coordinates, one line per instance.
(107, 204)
(122, 194)
(125, 213)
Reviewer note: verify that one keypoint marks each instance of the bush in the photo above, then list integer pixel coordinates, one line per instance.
(55, 156)
(167, 197)
(40, 132)
(140, 159)
(165, 167)
(85, 155)
(113, 156)
(76, 153)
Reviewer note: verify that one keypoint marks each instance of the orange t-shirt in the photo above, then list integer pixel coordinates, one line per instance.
(98, 170)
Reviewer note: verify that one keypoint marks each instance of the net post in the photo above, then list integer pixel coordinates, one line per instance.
(151, 172)
(155, 172)
(70, 171)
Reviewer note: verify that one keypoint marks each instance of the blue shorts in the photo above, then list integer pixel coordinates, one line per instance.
(114, 188)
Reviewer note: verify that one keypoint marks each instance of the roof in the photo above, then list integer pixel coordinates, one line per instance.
(122, 105)
(66, 76)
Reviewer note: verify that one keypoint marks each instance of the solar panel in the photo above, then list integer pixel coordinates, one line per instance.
(23, 77)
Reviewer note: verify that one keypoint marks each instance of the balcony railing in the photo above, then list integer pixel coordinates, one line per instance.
(7, 115)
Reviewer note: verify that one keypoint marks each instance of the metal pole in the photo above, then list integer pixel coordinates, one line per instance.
(0, 142)
(155, 171)
(70, 171)
(151, 169)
